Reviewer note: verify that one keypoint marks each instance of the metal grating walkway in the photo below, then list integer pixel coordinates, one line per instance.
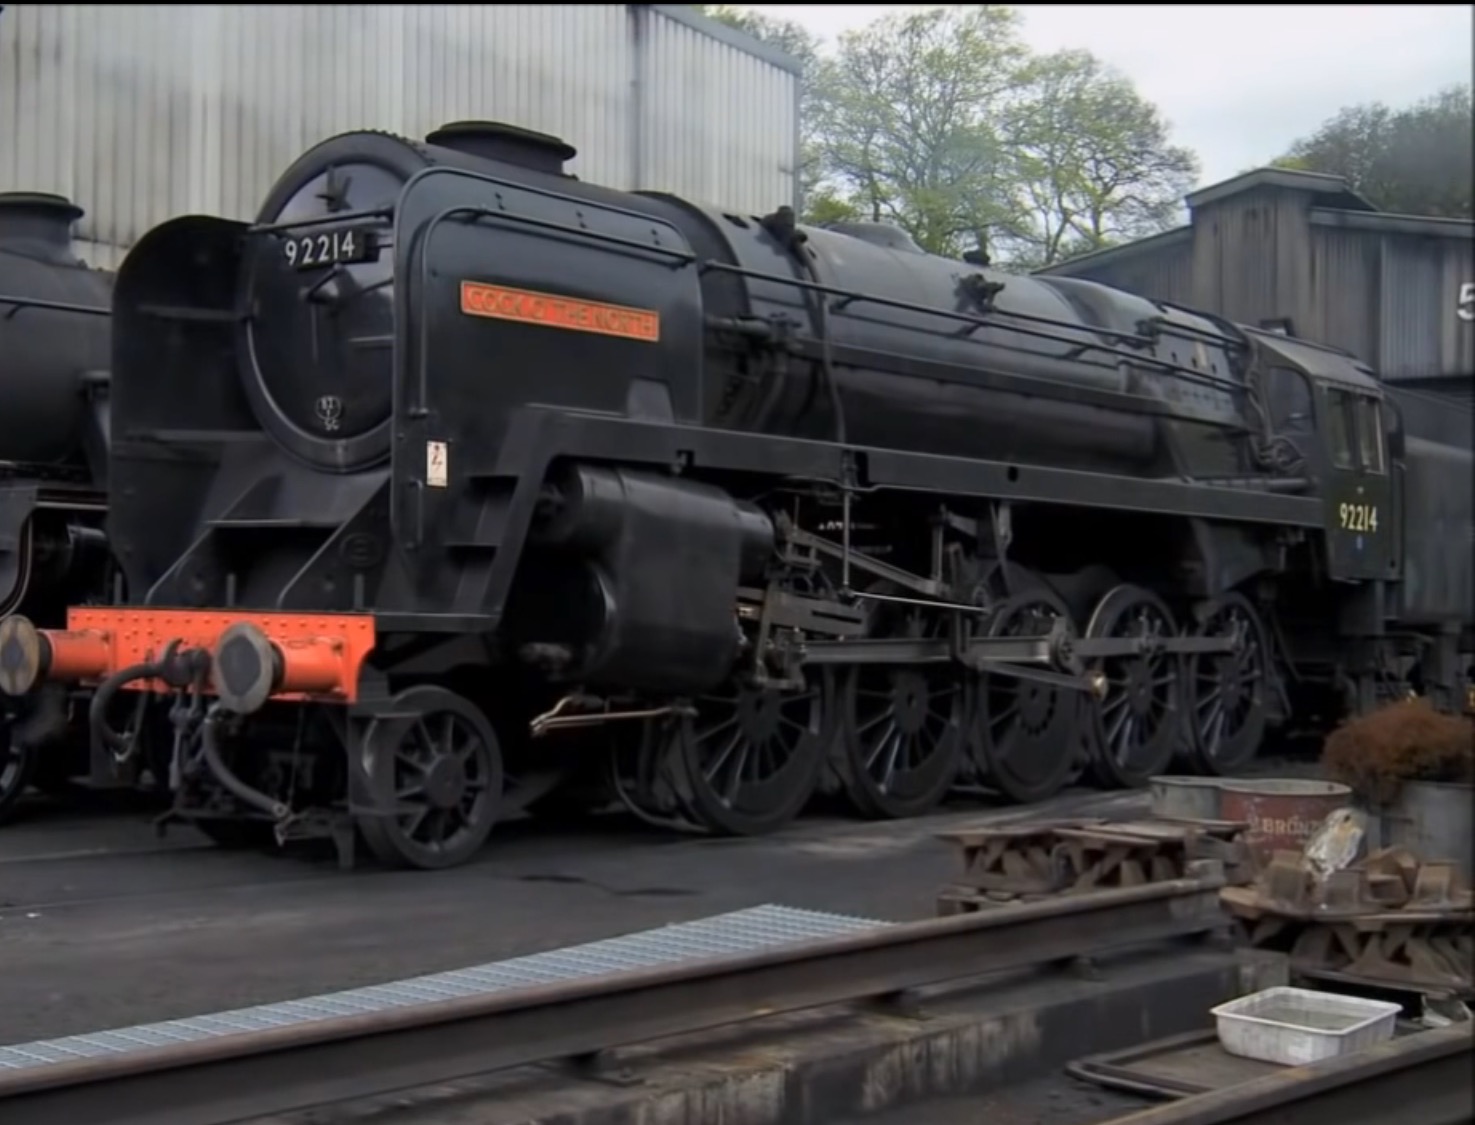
(725, 935)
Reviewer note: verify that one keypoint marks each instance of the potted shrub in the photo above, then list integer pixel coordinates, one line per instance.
(1414, 768)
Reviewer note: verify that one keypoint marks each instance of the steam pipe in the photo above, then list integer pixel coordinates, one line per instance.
(210, 746)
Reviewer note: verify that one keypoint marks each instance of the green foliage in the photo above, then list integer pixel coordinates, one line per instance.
(1416, 161)
(908, 111)
(1091, 160)
(941, 122)
(825, 206)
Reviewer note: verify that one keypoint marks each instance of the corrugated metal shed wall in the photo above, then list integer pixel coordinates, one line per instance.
(1343, 304)
(697, 86)
(1420, 333)
(1249, 261)
(1383, 287)
(142, 112)
(1162, 270)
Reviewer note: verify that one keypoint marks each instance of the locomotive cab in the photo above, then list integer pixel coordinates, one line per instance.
(1311, 387)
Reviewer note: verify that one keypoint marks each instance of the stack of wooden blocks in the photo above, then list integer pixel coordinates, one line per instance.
(1392, 920)
(1035, 860)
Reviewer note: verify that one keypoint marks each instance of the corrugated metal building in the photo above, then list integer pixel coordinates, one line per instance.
(1300, 249)
(139, 113)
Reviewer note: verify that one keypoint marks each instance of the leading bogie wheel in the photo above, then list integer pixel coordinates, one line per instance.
(17, 767)
(1227, 691)
(1024, 733)
(435, 760)
(748, 761)
(901, 740)
(1136, 723)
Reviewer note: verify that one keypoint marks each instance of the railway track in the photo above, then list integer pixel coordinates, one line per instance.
(569, 1005)
(573, 1005)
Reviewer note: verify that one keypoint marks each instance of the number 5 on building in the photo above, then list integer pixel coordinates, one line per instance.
(1465, 310)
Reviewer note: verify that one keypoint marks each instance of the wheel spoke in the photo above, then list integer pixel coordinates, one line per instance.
(735, 775)
(723, 755)
(414, 820)
(710, 732)
(1003, 717)
(882, 743)
(790, 724)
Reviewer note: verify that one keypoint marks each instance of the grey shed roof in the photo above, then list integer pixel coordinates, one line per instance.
(1332, 203)
(1331, 190)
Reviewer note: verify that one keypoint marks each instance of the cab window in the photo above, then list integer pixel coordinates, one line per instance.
(1290, 402)
(1370, 433)
(1339, 428)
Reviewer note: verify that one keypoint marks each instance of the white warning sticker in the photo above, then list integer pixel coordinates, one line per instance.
(436, 472)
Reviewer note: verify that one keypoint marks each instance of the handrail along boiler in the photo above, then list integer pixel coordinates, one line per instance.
(451, 459)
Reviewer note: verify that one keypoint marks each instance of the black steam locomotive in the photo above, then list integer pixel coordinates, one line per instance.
(451, 459)
(54, 321)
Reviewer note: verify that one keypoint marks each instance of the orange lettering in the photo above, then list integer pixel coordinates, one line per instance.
(501, 303)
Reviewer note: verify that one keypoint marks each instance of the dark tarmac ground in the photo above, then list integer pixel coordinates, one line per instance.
(103, 925)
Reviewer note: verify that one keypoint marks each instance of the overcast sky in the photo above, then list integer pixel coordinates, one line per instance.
(1237, 84)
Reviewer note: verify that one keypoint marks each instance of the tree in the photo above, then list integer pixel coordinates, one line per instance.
(1091, 161)
(1417, 160)
(906, 116)
(941, 122)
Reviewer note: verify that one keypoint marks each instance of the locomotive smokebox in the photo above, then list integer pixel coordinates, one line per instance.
(39, 225)
(54, 329)
(493, 140)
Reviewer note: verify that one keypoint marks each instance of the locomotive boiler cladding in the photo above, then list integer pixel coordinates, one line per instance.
(451, 457)
(53, 361)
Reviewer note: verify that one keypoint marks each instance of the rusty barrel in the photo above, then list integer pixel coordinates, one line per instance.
(1282, 813)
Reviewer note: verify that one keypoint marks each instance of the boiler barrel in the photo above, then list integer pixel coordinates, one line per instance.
(924, 357)
(46, 348)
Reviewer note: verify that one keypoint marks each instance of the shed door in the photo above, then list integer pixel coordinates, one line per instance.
(1361, 525)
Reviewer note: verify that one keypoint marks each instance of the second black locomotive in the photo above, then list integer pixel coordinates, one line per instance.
(54, 356)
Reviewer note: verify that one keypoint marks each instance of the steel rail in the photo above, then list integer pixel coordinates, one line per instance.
(254, 1074)
(1427, 1078)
